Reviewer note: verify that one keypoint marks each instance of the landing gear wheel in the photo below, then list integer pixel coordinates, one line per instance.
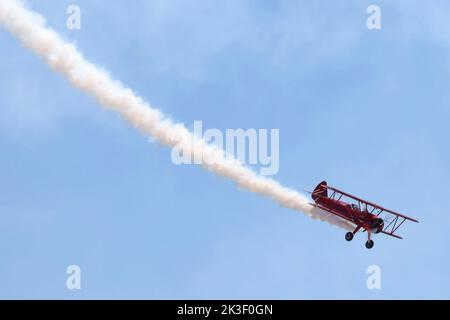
(369, 244)
(349, 236)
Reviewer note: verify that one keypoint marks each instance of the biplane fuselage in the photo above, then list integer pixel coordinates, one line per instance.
(367, 221)
(365, 215)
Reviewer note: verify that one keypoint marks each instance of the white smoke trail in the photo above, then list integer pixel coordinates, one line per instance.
(64, 58)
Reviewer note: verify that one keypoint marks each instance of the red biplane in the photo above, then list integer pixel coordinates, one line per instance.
(363, 214)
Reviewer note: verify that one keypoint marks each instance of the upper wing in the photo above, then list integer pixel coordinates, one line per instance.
(393, 220)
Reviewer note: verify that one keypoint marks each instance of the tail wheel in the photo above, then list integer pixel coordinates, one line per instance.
(349, 236)
(369, 244)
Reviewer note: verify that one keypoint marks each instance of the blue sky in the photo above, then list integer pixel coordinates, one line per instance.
(366, 110)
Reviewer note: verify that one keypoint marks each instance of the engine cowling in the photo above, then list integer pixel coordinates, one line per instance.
(377, 225)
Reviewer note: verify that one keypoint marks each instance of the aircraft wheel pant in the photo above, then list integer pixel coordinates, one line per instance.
(349, 236)
(369, 244)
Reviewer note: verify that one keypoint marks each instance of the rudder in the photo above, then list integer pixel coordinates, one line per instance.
(320, 191)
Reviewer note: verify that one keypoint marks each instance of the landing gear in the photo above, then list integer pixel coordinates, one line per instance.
(369, 244)
(349, 236)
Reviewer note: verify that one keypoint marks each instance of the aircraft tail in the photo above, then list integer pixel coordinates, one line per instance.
(320, 191)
